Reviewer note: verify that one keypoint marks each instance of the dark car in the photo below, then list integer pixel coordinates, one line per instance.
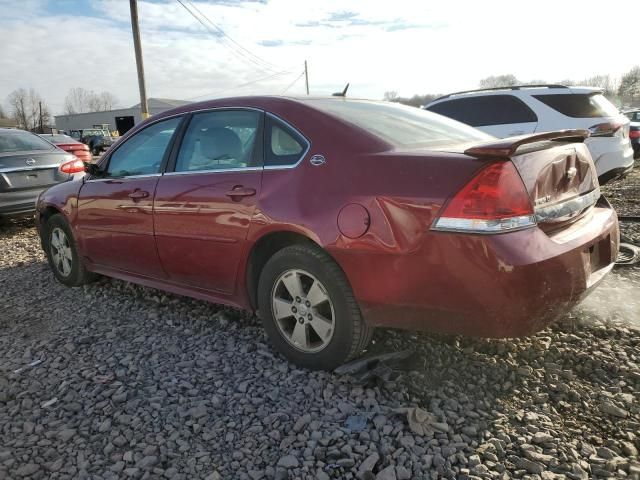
(332, 216)
(634, 131)
(28, 165)
(98, 140)
(68, 144)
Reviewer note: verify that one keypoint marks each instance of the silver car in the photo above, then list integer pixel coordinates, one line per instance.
(28, 165)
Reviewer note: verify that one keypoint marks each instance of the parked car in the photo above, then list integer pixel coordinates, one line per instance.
(28, 165)
(332, 216)
(98, 140)
(633, 115)
(520, 110)
(68, 144)
(634, 136)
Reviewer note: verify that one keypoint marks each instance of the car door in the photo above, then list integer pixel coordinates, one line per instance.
(115, 210)
(203, 207)
(497, 115)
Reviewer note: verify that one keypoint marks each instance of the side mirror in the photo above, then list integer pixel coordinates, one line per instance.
(93, 169)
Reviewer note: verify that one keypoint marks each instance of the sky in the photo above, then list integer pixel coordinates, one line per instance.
(412, 47)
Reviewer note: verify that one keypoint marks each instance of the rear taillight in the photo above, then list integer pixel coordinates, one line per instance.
(495, 200)
(633, 134)
(74, 166)
(607, 129)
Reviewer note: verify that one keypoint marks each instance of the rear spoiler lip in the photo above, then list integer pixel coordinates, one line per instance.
(507, 147)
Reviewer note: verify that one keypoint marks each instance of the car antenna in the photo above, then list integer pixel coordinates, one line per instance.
(343, 93)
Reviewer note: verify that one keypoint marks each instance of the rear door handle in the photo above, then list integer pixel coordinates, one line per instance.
(239, 191)
(137, 194)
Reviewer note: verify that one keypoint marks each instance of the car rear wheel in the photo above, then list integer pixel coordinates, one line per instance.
(63, 255)
(308, 309)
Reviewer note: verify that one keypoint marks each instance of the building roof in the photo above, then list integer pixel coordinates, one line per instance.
(162, 103)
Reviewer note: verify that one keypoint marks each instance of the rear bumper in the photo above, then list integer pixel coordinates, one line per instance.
(503, 285)
(610, 155)
(19, 203)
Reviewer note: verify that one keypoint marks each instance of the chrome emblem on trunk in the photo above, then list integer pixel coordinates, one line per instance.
(30, 161)
(571, 173)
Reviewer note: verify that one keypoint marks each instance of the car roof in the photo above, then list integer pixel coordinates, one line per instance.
(519, 90)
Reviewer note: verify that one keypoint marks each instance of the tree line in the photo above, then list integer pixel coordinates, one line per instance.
(622, 91)
(30, 111)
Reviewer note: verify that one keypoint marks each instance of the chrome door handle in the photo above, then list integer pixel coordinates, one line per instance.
(138, 194)
(239, 191)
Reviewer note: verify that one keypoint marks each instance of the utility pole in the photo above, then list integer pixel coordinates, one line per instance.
(306, 77)
(144, 108)
(40, 107)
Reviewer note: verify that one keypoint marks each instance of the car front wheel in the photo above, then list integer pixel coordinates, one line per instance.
(308, 309)
(62, 254)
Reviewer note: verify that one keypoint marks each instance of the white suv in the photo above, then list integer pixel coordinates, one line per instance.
(518, 110)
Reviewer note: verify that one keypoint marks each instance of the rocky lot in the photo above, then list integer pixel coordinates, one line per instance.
(119, 381)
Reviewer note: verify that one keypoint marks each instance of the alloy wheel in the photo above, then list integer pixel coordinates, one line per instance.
(61, 252)
(303, 311)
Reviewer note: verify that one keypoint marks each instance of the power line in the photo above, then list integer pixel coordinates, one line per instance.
(222, 32)
(293, 83)
(242, 85)
(237, 52)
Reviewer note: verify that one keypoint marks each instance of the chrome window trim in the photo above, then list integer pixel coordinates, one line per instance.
(304, 154)
(29, 169)
(213, 170)
(106, 179)
(573, 206)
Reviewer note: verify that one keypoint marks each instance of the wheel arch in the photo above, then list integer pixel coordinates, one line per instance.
(263, 249)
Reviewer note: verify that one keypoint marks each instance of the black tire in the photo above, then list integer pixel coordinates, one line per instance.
(351, 334)
(78, 274)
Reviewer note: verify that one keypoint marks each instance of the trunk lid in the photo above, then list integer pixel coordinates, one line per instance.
(557, 171)
(31, 169)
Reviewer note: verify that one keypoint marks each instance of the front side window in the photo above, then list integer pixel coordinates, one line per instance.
(486, 110)
(142, 154)
(220, 140)
(284, 145)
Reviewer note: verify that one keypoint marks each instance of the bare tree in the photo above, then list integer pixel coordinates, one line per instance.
(630, 84)
(26, 107)
(101, 102)
(79, 100)
(414, 101)
(2, 114)
(390, 96)
(496, 81)
(608, 85)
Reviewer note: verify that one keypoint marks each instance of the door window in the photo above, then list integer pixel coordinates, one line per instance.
(220, 140)
(284, 145)
(486, 110)
(142, 154)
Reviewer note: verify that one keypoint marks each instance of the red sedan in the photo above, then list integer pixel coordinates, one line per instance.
(329, 217)
(68, 144)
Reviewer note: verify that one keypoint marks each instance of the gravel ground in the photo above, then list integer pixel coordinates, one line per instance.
(133, 383)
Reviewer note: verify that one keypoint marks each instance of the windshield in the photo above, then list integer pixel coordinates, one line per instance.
(21, 141)
(401, 125)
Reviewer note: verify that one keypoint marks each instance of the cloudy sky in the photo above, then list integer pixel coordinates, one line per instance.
(409, 46)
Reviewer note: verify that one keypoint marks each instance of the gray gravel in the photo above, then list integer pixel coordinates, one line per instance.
(133, 383)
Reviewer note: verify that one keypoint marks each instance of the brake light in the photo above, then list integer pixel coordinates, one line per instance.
(607, 129)
(74, 166)
(634, 134)
(495, 200)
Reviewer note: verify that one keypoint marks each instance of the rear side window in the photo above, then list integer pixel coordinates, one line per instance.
(486, 110)
(284, 146)
(579, 105)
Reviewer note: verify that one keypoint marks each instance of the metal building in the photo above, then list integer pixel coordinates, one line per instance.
(121, 119)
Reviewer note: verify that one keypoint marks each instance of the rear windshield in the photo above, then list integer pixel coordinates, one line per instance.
(21, 141)
(401, 125)
(580, 105)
